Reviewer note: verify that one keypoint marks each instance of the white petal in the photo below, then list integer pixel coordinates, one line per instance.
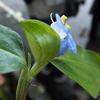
(59, 30)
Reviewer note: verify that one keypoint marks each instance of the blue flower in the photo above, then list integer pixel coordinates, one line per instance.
(63, 30)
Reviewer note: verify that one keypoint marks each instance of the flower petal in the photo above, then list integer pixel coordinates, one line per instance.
(60, 24)
(71, 44)
(67, 41)
(59, 30)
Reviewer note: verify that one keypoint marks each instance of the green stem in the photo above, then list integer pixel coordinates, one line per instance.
(36, 69)
(22, 86)
(25, 79)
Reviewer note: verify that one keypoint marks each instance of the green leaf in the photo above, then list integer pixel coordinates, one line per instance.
(83, 67)
(43, 40)
(11, 51)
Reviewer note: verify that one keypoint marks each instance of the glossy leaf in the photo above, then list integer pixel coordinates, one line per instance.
(43, 40)
(83, 67)
(11, 51)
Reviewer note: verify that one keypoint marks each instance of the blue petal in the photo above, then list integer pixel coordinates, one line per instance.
(59, 21)
(68, 44)
(63, 46)
(60, 24)
(71, 43)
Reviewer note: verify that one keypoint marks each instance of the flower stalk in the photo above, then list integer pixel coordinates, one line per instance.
(25, 80)
(23, 84)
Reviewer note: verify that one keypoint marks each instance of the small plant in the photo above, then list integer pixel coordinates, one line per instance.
(53, 44)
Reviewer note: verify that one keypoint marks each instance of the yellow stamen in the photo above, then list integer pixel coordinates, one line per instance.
(64, 19)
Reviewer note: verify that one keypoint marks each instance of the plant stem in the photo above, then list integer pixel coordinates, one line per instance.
(25, 80)
(22, 86)
(36, 69)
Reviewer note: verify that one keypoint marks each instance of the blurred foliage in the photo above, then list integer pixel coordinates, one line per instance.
(12, 56)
